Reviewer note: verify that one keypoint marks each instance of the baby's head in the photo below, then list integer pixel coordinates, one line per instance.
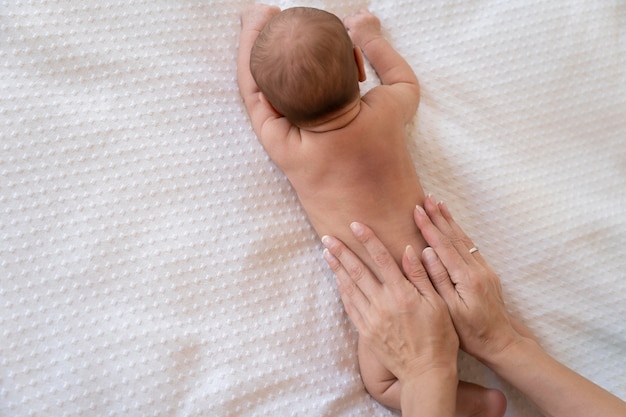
(304, 64)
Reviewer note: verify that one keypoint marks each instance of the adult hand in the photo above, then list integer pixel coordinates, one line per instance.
(473, 294)
(465, 281)
(406, 324)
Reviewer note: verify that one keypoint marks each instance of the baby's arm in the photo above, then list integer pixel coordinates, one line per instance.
(365, 31)
(253, 20)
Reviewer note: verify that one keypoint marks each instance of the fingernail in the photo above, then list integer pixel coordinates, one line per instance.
(430, 256)
(329, 257)
(410, 253)
(420, 210)
(357, 228)
(326, 241)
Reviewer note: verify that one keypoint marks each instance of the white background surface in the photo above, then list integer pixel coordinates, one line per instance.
(153, 261)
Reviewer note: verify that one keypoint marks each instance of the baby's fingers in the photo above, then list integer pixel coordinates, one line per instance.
(257, 15)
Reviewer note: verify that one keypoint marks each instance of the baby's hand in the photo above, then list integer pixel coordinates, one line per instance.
(255, 17)
(363, 27)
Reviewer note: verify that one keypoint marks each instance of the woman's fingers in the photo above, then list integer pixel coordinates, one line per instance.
(457, 231)
(465, 281)
(403, 321)
(354, 301)
(454, 236)
(439, 276)
(387, 269)
(364, 291)
(446, 250)
(352, 276)
(415, 272)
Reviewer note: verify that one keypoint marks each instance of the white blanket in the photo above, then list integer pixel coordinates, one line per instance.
(154, 262)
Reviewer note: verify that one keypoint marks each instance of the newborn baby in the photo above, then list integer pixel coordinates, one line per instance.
(345, 154)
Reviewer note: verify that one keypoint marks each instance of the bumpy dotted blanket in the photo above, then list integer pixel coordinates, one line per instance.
(154, 262)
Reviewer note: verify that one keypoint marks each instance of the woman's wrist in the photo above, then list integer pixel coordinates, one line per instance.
(515, 350)
(430, 392)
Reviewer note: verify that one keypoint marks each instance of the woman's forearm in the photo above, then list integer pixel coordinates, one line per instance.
(554, 388)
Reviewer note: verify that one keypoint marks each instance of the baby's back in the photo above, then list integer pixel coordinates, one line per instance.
(362, 173)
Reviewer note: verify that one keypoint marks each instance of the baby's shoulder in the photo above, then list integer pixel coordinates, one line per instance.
(379, 98)
(281, 140)
(393, 102)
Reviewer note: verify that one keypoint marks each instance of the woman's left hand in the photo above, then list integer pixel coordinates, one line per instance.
(406, 324)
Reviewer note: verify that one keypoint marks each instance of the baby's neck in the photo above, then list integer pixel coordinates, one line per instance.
(336, 120)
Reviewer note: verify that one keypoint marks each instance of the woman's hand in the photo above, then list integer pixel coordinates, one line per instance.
(468, 285)
(406, 324)
(473, 294)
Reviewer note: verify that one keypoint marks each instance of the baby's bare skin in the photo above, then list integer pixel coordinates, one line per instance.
(353, 165)
(359, 170)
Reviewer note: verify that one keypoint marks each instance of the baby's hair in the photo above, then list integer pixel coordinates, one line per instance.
(303, 62)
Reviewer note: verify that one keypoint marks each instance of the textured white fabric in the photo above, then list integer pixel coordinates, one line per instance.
(154, 262)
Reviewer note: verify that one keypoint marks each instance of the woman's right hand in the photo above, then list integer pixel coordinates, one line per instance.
(468, 285)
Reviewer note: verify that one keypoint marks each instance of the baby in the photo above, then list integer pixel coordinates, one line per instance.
(345, 154)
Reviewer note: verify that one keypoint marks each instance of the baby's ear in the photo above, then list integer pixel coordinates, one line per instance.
(268, 104)
(358, 58)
